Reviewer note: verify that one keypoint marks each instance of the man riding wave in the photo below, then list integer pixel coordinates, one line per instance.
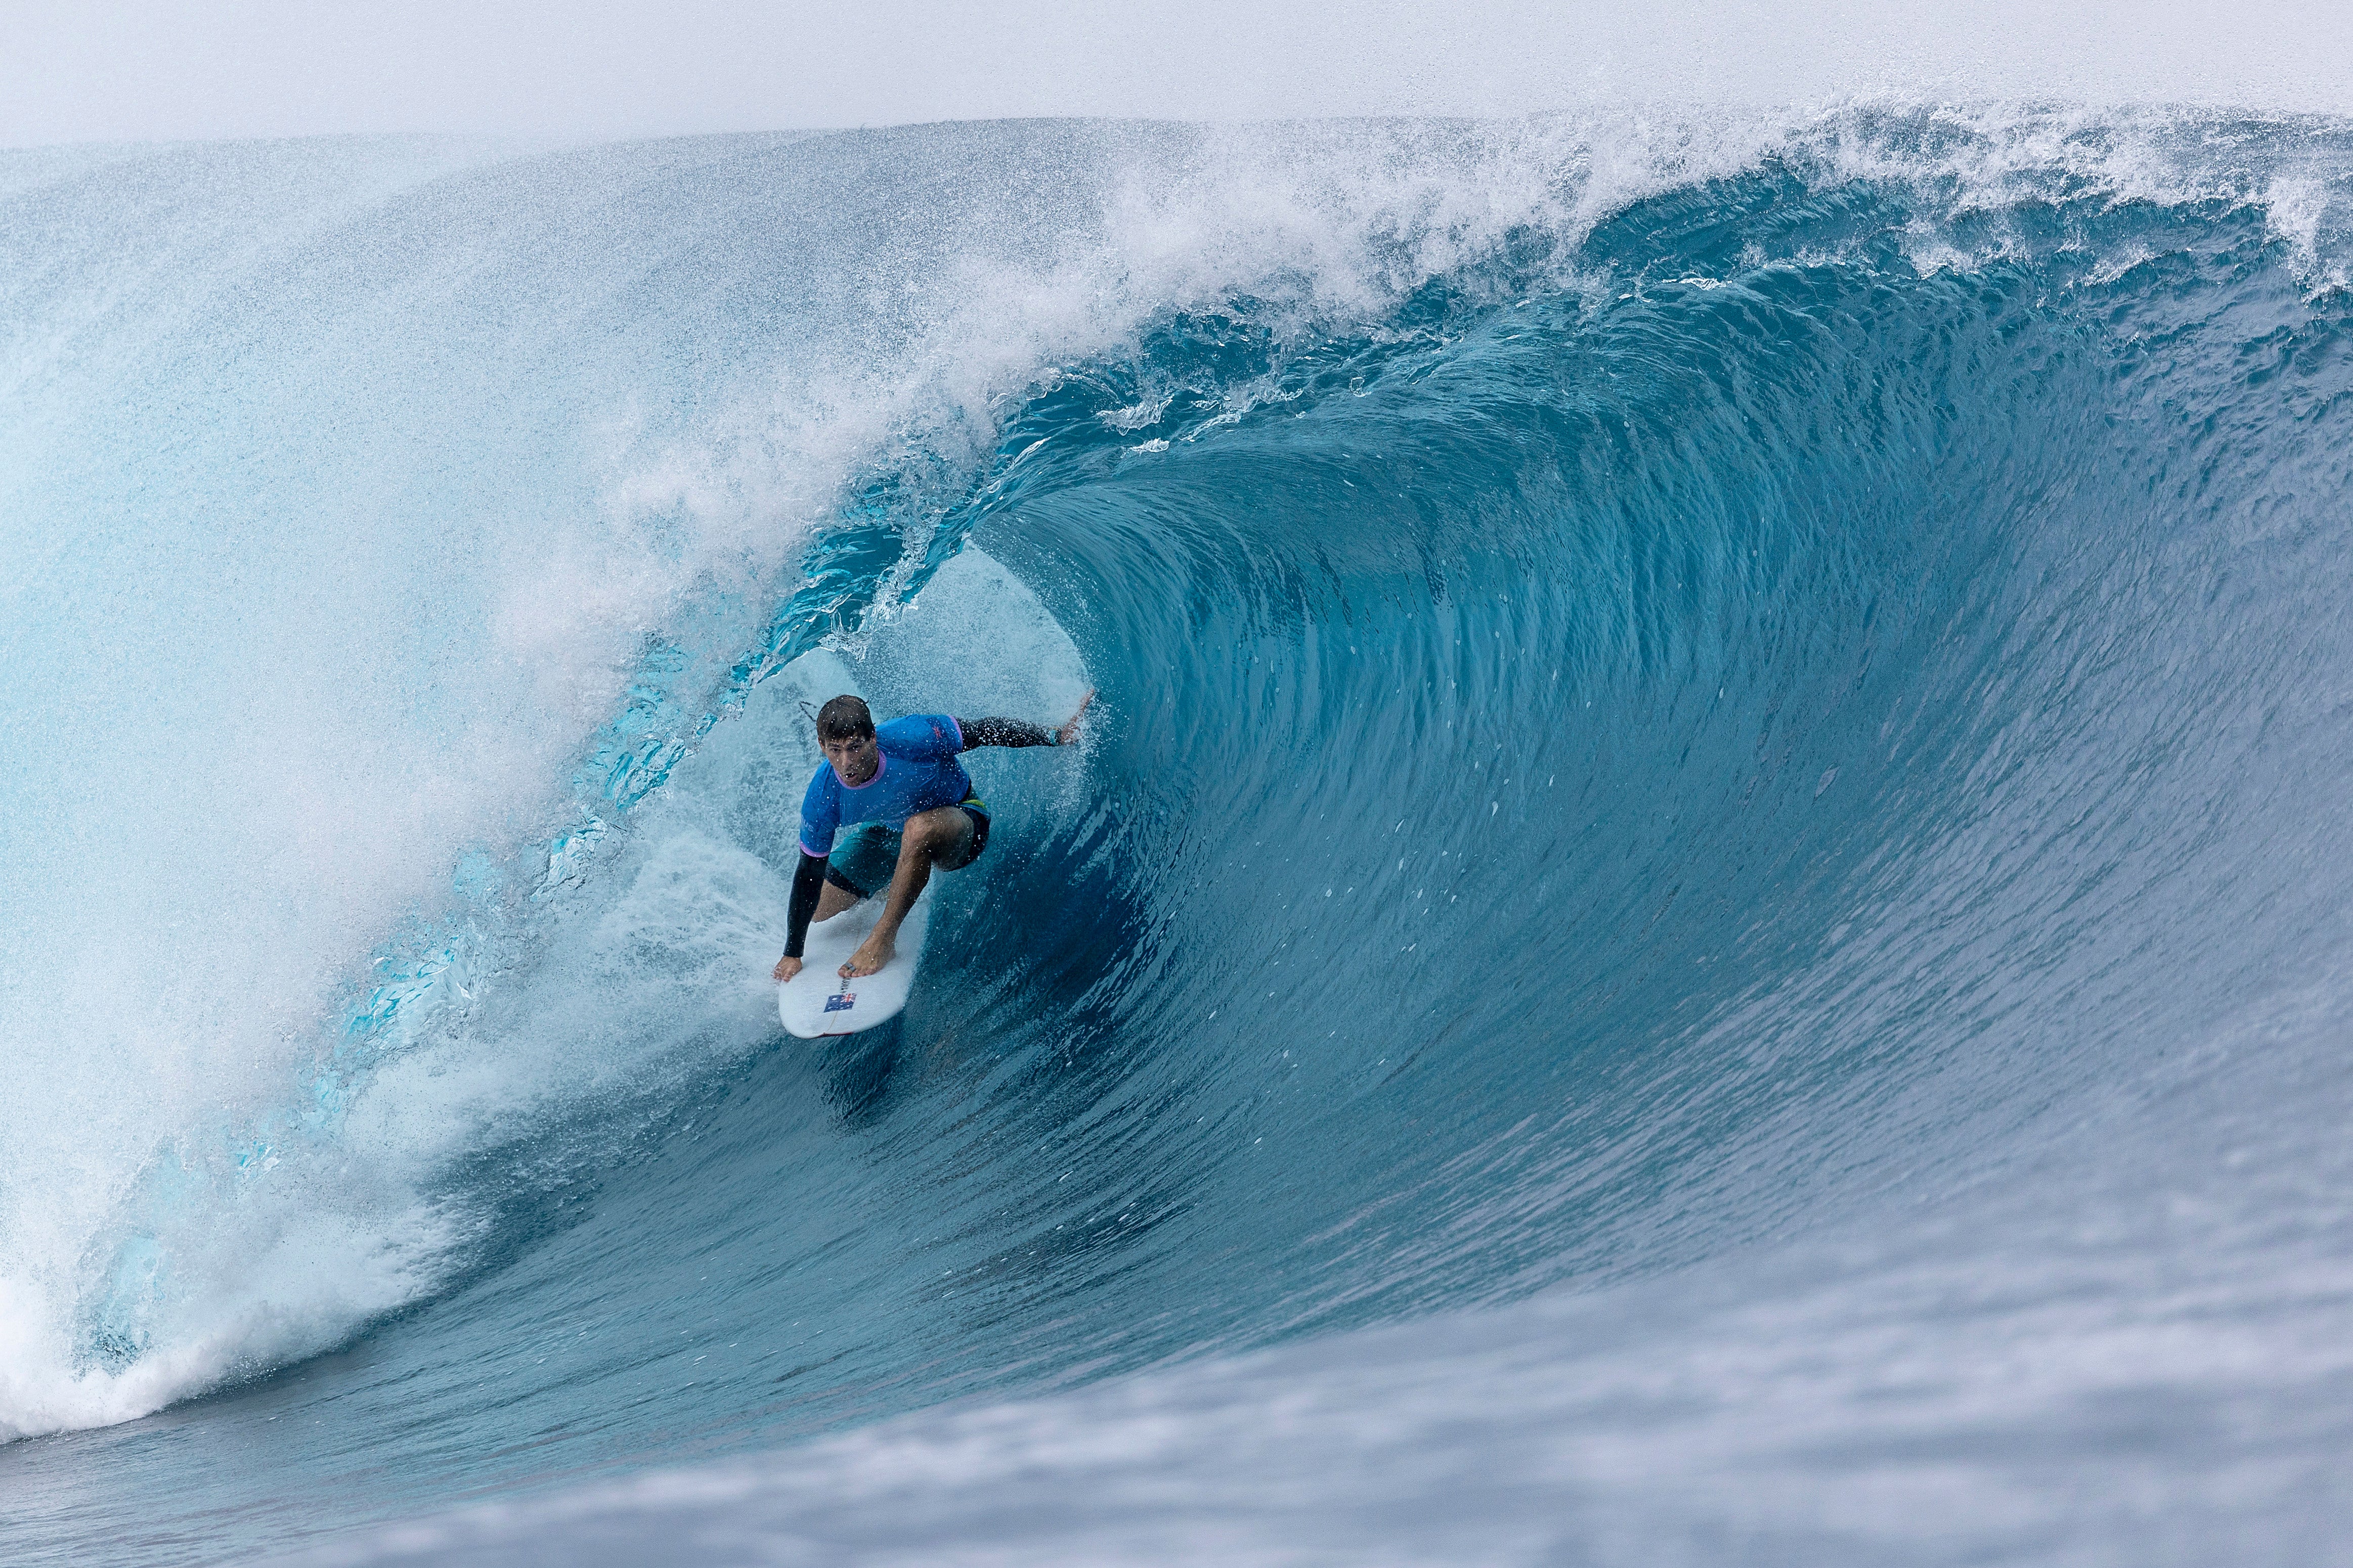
(907, 806)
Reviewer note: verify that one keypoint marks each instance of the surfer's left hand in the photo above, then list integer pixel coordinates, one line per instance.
(786, 967)
(1063, 735)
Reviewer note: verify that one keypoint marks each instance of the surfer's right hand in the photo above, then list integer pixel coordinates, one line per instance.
(786, 967)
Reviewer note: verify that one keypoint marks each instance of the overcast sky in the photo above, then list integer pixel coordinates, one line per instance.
(145, 70)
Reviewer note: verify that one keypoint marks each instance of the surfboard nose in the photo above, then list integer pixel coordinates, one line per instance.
(821, 1001)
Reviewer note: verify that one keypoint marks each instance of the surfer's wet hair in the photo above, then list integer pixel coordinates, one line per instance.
(844, 718)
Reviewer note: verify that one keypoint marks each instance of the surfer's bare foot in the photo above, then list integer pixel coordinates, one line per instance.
(871, 955)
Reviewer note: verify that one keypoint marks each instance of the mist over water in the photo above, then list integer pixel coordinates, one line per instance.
(1705, 920)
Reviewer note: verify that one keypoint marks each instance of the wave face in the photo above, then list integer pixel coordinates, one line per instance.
(1711, 888)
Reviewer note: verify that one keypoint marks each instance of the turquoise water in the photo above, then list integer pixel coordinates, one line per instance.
(1709, 899)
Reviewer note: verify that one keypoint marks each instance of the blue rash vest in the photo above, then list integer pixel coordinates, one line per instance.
(917, 771)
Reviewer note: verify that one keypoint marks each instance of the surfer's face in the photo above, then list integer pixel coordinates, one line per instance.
(853, 759)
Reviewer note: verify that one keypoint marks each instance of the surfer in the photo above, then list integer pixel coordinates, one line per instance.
(908, 807)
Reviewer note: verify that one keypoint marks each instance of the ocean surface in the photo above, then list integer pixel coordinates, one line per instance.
(1705, 921)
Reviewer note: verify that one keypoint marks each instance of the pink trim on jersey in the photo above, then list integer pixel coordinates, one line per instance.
(958, 729)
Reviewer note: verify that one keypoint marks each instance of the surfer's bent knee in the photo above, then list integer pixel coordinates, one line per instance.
(940, 831)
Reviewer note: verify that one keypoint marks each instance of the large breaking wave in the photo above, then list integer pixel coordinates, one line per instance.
(1734, 727)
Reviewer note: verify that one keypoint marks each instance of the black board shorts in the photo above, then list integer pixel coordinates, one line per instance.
(868, 855)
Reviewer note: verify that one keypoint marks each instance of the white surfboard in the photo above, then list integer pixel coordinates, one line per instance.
(818, 1001)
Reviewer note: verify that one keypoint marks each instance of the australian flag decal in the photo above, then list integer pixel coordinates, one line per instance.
(843, 1002)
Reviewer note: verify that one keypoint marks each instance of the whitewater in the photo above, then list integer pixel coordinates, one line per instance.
(1707, 922)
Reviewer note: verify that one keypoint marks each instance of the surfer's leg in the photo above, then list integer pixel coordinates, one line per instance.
(931, 837)
(863, 862)
(834, 899)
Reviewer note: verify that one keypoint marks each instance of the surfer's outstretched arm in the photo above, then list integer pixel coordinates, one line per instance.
(1021, 732)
